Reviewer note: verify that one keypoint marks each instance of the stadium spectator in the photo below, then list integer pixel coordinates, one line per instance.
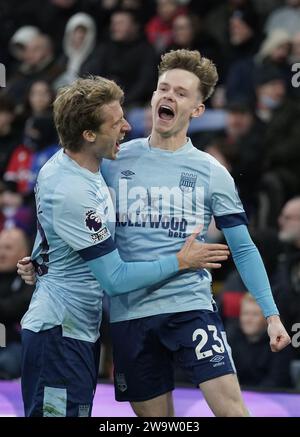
(8, 135)
(256, 365)
(270, 89)
(15, 296)
(127, 58)
(52, 18)
(287, 280)
(244, 37)
(39, 63)
(286, 17)
(217, 20)
(187, 33)
(159, 28)
(243, 44)
(39, 144)
(280, 179)
(274, 51)
(38, 101)
(14, 15)
(240, 149)
(78, 45)
(104, 9)
(19, 41)
(275, 48)
(40, 98)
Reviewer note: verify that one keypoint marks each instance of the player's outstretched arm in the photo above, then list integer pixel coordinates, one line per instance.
(118, 277)
(253, 273)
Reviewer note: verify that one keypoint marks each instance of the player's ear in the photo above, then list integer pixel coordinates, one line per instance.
(89, 136)
(153, 95)
(199, 110)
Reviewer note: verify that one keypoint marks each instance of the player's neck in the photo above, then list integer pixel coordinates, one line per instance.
(85, 160)
(171, 143)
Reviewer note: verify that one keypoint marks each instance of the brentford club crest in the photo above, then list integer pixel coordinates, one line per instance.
(187, 182)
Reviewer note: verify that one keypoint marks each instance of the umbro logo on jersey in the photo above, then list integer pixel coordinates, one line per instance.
(126, 174)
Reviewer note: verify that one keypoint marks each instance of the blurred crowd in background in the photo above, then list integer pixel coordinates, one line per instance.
(251, 125)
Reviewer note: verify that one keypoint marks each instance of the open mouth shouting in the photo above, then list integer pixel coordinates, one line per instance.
(166, 112)
(117, 145)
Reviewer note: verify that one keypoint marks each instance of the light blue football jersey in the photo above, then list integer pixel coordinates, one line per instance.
(75, 214)
(161, 197)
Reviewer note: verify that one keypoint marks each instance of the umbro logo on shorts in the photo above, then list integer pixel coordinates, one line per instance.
(217, 360)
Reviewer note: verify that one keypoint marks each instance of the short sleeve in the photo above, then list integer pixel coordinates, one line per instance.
(77, 220)
(226, 205)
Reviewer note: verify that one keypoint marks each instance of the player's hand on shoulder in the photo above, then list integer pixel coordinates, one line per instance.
(279, 338)
(26, 270)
